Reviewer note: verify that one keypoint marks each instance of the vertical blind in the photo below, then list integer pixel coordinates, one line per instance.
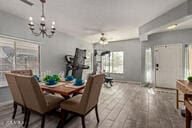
(17, 55)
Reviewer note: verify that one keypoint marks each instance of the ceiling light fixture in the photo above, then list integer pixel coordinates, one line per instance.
(103, 39)
(42, 28)
(172, 26)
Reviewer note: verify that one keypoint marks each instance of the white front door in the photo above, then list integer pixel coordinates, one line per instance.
(168, 65)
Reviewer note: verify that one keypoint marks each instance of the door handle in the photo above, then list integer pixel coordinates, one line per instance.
(156, 66)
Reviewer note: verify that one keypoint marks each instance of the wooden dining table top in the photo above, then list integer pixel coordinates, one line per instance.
(184, 86)
(64, 88)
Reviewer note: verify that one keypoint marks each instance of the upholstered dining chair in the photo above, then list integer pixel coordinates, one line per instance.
(83, 104)
(188, 106)
(27, 72)
(16, 94)
(34, 99)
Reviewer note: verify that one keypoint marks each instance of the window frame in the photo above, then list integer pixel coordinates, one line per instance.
(111, 65)
(14, 42)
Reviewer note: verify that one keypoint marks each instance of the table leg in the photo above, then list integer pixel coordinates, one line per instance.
(177, 99)
(66, 97)
(111, 83)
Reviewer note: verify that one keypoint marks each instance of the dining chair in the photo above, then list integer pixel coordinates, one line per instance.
(83, 104)
(16, 94)
(27, 72)
(188, 106)
(34, 98)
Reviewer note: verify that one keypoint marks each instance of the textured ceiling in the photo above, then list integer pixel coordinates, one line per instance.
(85, 19)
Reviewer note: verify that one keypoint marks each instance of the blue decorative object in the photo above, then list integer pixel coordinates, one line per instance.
(37, 78)
(69, 78)
(51, 81)
(79, 82)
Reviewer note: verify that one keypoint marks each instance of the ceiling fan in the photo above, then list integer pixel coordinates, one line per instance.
(27, 2)
(94, 31)
(103, 40)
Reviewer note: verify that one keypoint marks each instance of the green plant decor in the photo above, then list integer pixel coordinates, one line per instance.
(190, 78)
(46, 78)
(55, 77)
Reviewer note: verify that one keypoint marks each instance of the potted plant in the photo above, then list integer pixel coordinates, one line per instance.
(190, 79)
(51, 80)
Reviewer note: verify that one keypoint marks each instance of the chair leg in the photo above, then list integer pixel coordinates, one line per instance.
(15, 110)
(28, 118)
(23, 109)
(62, 118)
(83, 121)
(96, 112)
(188, 118)
(43, 121)
(25, 117)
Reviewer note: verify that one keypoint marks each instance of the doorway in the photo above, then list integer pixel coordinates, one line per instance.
(168, 65)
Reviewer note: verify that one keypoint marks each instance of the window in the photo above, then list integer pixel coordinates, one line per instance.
(6, 58)
(113, 63)
(15, 54)
(27, 56)
(148, 65)
(188, 61)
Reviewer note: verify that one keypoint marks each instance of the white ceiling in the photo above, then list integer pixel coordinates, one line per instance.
(85, 19)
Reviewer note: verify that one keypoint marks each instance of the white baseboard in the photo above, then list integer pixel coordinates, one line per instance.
(129, 82)
(6, 103)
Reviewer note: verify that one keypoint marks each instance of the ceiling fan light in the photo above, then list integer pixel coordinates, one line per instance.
(101, 42)
(103, 39)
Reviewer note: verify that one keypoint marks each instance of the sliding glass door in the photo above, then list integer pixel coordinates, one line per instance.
(17, 55)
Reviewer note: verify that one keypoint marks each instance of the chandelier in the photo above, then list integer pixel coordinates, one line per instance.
(42, 28)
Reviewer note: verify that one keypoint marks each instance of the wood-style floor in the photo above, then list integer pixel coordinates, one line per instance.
(122, 106)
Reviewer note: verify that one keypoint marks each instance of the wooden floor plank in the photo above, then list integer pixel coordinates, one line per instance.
(122, 106)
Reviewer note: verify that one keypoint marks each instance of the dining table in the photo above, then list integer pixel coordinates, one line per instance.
(64, 88)
(184, 87)
(67, 89)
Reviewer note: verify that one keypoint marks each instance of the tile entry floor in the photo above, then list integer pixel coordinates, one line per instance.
(122, 106)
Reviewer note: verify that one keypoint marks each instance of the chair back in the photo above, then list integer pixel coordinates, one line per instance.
(16, 94)
(23, 72)
(32, 93)
(92, 91)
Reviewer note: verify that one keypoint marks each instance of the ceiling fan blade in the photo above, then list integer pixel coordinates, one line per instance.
(27, 2)
(99, 30)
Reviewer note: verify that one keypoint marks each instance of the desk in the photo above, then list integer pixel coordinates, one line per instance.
(65, 88)
(182, 86)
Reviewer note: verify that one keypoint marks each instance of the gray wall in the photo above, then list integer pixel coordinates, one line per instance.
(171, 37)
(52, 49)
(131, 49)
